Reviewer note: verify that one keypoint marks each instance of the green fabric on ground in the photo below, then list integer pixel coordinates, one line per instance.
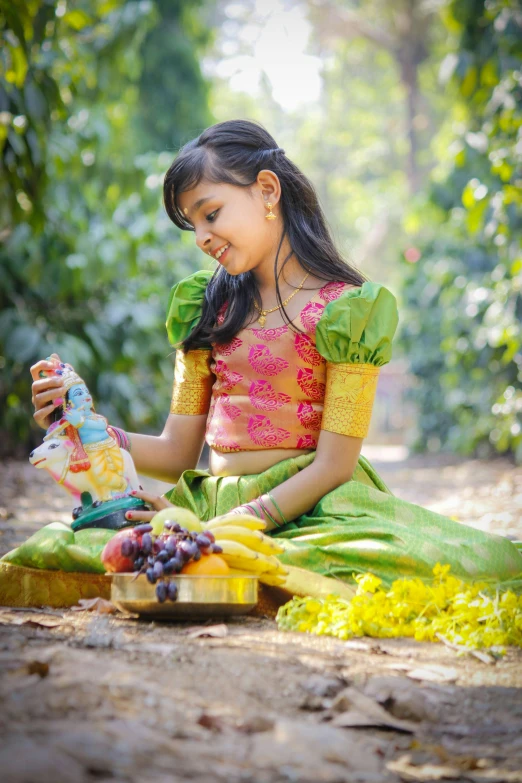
(56, 548)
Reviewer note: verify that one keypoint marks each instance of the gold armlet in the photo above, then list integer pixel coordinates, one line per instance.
(193, 381)
(349, 395)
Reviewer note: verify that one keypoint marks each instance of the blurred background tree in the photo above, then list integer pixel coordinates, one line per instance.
(462, 326)
(405, 115)
(94, 102)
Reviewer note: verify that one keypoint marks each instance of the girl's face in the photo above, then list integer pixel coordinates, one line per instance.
(231, 217)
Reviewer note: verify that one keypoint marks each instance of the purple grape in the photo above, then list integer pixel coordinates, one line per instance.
(172, 591)
(211, 537)
(197, 555)
(161, 592)
(151, 576)
(185, 550)
(176, 527)
(216, 549)
(151, 560)
(162, 556)
(159, 544)
(158, 569)
(127, 547)
(146, 528)
(146, 543)
(139, 562)
(136, 566)
(170, 546)
(175, 564)
(202, 540)
(168, 525)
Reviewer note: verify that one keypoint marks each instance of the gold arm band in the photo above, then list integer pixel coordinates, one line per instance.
(350, 391)
(193, 381)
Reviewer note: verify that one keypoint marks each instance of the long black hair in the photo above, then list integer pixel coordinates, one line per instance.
(234, 152)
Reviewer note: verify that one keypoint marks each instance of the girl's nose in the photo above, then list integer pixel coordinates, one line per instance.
(204, 241)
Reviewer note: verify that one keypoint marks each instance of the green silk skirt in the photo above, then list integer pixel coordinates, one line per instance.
(358, 527)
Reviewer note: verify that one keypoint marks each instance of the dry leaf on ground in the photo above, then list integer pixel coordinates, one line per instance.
(98, 605)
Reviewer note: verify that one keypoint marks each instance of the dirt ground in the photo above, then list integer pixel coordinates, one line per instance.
(96, 697)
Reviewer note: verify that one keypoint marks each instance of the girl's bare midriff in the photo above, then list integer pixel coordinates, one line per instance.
(243, 463)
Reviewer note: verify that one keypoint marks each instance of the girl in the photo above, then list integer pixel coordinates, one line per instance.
(278, 355)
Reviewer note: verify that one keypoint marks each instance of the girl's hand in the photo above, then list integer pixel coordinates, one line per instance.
(155, 501)
(44, 391)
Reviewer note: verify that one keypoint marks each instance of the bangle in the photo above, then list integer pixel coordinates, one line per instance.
(253, 509)
(271, 498)
(121, 437)
(267, 512)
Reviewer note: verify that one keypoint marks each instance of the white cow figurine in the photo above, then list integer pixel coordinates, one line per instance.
(53, 456)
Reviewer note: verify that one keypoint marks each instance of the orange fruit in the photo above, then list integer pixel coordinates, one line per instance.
(209, 565)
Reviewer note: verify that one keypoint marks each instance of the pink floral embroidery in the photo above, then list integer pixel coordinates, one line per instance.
(263, 433)
(210, 413)
(306, 442)
(311, 315)
(307, 351)
(332, 291)
(263, 361)
(310, 419)
(227, 378)
(229, 410)
(221, 314)
(221, 441)
(313, 388)
(264, 397)
(227, 348)
(268, 335)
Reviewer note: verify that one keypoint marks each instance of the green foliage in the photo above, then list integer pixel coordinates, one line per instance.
(88, 254)
(463, 329)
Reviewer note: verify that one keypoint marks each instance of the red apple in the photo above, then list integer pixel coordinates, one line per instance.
(112, 558)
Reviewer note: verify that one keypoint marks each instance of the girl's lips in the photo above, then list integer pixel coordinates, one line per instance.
(223, 255)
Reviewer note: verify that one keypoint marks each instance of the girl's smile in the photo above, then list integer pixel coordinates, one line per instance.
(220, 255)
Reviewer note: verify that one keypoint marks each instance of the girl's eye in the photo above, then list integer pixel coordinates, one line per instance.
(212, 215)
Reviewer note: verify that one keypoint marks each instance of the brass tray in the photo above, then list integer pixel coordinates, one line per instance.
(198, 596)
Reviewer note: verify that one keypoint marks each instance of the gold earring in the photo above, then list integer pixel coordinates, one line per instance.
(270, 215)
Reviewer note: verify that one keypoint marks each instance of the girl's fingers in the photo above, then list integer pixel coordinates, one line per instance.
(42, 365)
(41, 398)
(43, 416)
(140, 516)
(155, 501)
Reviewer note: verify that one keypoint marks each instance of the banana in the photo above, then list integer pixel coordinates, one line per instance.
(241, 520)
(242, 557)
(253, 539)
(274, 580)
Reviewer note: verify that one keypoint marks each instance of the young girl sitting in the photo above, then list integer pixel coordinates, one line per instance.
(278, 353)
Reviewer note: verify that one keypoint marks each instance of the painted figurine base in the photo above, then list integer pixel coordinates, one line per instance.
(81, 453)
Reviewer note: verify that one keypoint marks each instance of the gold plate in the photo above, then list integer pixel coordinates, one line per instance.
(198, 596)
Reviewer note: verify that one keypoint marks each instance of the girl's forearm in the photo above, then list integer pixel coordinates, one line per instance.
(161, 457)
(302, 492)
(155, 456)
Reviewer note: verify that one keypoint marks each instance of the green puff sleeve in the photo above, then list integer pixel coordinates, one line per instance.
(193, 378)
(358, 327)
(355, 336)
(185, 305)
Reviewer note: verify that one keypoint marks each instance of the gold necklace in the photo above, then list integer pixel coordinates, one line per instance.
(263, 313)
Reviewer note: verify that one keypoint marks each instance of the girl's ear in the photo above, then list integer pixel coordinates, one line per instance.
(269, 186)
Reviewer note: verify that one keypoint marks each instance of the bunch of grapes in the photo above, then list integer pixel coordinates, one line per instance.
(166, 554)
